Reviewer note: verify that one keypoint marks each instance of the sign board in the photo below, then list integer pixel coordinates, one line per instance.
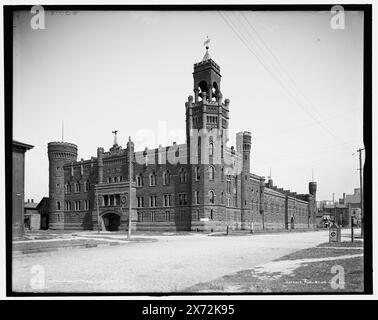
(334, 233)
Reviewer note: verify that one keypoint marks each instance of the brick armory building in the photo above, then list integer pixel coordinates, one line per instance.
(202, 185)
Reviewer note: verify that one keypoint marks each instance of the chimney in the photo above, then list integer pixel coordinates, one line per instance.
(28, 200)
(32, 200)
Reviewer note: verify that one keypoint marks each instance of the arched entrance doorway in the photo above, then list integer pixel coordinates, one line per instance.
(111, 221)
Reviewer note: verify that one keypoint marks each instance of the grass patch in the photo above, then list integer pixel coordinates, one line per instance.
(294, 276)
(344, 244)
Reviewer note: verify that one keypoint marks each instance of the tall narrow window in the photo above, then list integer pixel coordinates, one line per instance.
(153, 201)
(197, 173)
(211, 149)
(228, 184)
(140, 202)
(139, 180)
(196, 197)
(211, 173)
(212, 197)
(183, 199)
(153, 179)
(183, 175)
(166, 178)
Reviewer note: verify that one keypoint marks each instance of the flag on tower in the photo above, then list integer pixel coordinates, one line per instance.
(207, 41)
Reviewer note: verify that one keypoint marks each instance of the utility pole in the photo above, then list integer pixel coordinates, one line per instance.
(98, 213)
(130, 197)
(361, 193)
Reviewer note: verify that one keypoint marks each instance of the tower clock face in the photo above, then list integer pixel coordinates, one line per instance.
(123, 199)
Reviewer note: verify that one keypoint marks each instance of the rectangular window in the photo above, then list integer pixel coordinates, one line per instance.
(183, 199)
(86, 204)
(140, 202)
(152, 201)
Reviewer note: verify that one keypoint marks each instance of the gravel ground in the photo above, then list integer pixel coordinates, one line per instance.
(169, 265)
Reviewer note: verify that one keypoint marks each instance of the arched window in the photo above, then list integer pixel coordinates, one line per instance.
(215, 92)
(153, 179)
(197, 173)
(212, 197)
(139, 180)
(58, 205)
(211, 149)
(203, 90)
(183, 175)
(211, 173)
(77, 187)
(166, 178)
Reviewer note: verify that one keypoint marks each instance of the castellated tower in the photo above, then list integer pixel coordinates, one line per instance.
(243, 146)
(60, 153)
(206, 129)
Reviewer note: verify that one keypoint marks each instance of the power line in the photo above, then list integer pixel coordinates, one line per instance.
(241, 38)
(298, 89)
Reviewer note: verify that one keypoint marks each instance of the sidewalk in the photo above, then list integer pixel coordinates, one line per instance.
(45, 241)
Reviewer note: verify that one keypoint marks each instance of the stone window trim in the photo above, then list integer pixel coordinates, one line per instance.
(167, 200)
(153, 201)
(139, 180)
(152, 179)
(166, 178)
(140, 201)
(77, 205)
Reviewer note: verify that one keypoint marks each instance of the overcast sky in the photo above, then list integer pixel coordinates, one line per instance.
(292, 80)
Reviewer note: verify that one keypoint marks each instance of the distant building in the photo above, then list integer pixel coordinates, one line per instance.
(341, 211)
(18, 186)
(32, 218)
(43, 210)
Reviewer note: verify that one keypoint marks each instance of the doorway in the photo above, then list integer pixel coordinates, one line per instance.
(292, 223)
(111, 221)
